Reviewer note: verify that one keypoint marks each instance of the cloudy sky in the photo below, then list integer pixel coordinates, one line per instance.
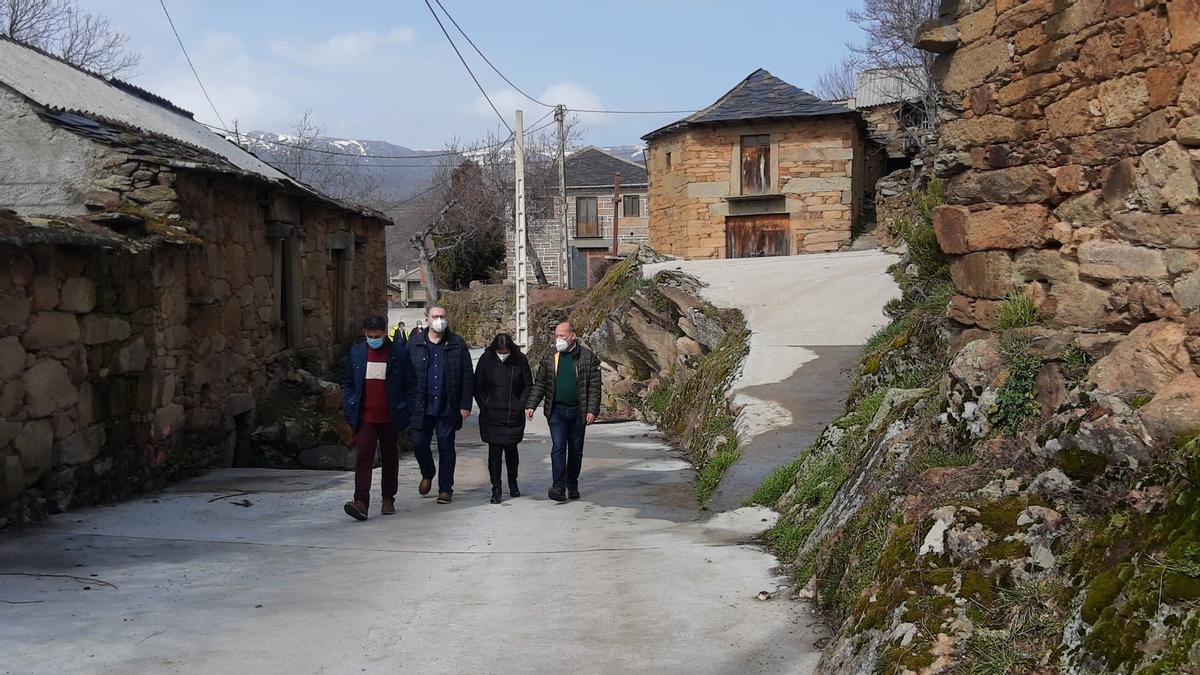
(382, 70)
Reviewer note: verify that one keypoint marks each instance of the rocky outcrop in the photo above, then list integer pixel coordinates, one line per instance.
(668, 357)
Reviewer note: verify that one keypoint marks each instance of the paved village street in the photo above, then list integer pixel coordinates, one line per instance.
(260, 571)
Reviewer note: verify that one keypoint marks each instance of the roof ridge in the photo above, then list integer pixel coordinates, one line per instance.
(605, 152)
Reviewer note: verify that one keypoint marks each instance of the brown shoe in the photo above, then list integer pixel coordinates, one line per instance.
(388, 508)
(443, 498)
(425, 486)
(356, 510)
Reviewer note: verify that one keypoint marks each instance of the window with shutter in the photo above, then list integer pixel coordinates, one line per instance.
(756, 164)
(587, 223)
(633, 206)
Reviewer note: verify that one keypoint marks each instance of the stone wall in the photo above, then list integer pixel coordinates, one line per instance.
(813, 167)
(124, 367)
(482, 311)
(1070, 141)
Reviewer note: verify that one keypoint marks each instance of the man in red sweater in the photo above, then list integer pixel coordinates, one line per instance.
(377, 395)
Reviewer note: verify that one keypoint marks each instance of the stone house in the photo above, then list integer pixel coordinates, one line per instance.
(407, 289)
(156, 280)
(768, 169)
(594, 207)
(1073, 170)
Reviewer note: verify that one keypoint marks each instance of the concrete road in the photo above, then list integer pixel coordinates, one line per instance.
(809, 316)
(260, 571)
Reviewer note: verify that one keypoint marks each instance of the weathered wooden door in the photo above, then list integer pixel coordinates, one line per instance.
(756, 236)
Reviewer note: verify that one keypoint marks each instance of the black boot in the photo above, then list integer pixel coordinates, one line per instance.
(496, 497)
(513, 491)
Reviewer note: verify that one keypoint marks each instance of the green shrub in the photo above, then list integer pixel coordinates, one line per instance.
(1017, 311)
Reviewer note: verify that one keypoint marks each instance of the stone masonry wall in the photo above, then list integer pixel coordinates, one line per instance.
(1071, 142)
(123, 368)
(813, 164)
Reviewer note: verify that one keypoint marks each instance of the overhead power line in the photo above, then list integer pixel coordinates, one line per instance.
(224, 127)
(468, 67)
(487, 60)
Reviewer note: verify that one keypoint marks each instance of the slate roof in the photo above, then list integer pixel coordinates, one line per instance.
(120, 114)
(593, 167)
(760, 96)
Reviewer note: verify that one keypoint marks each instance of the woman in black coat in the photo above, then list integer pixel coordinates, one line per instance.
(502, 384)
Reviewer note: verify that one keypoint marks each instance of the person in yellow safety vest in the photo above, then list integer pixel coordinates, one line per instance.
(399, 333)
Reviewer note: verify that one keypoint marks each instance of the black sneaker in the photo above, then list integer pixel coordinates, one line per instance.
(573, 493)
(496, 496)
(513, 491)
(557, 494)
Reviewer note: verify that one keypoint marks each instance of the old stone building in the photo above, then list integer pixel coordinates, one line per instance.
(891, 102)
(595, 207)
(768, 169)
(155, 281)
(1072, 169)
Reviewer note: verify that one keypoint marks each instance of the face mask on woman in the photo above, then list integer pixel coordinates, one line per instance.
(374, 343)
(502, 357)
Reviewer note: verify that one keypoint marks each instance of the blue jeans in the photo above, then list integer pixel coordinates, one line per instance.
(566, 455)
(422, 436)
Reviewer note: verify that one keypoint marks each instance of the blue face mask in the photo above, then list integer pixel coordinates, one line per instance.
(374, 343)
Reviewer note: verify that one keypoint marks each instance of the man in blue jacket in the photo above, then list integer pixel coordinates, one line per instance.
(444, 379)
(377, 392)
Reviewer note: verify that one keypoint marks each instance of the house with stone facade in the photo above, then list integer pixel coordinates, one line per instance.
(604, 218)
(768, 169)
(156, 280)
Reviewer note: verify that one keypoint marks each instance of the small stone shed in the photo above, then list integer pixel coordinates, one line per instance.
(156, 281)
(768, 169)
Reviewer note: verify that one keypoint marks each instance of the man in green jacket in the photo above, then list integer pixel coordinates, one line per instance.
(568, 386)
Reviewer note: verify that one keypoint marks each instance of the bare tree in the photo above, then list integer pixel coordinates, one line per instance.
(837, 83)
(61, 28)
(890, 27)
(428, 251)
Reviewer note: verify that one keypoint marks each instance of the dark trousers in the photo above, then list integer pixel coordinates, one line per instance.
(509, 455)
(566, 455)
(366, 437)
(422, 438)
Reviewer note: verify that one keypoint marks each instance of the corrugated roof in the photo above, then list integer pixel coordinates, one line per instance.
(592, 167)
(86, 103)
(760, 96)
(884, 86)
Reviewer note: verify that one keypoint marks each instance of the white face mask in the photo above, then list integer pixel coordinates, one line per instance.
(502, 357)
(439, 324)
(561, 345)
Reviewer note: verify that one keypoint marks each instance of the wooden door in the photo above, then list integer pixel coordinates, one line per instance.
(756, 236)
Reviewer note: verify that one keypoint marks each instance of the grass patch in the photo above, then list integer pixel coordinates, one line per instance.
(660, 397)
(785, 537)
(938, 456)
(1017, 311)
(1016, 399)
(709, 475)
(776, 484)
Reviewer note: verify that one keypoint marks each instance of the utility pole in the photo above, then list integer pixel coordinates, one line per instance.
(616, 210)
(564, 267)
(519, 239)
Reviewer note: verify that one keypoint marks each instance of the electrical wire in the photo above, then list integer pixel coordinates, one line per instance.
(543, 103)
(487, 60)
(468, 67)
(192, 66)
